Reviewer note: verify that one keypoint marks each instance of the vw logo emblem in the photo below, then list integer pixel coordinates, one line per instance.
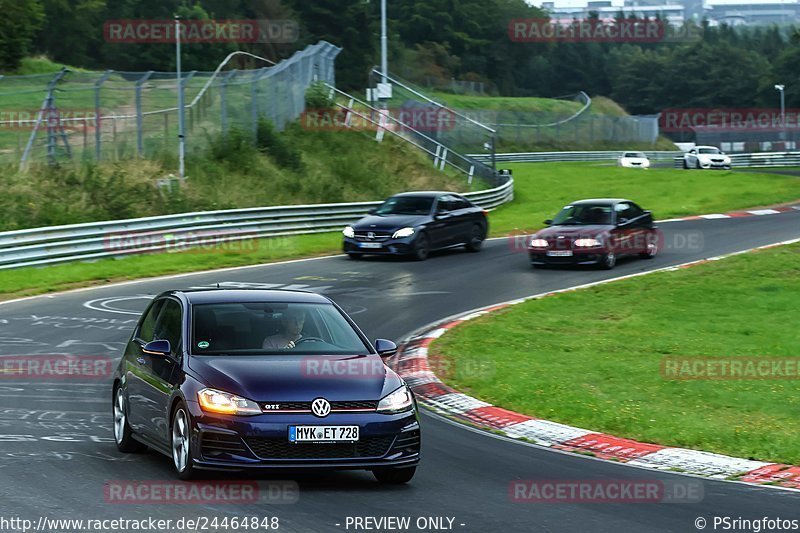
(321, 407)
(370, 235)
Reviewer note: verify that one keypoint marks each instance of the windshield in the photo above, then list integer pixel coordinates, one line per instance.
(583, 215)
(259, 328)
(406, 205)
(708, 151)
(634, 154)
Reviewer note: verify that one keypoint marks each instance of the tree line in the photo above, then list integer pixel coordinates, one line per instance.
(722, 66)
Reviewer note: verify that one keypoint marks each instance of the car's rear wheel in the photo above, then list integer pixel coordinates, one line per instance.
(422, 248)
(476, 239)
(123, 435)
(394, 476)
(181, 444)
(685, 165)
(609, 261)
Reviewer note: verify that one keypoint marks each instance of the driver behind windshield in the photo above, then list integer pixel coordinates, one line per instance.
(291, 331)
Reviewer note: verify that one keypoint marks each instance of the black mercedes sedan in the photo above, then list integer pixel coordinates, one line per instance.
(254, 379)
(416, 223)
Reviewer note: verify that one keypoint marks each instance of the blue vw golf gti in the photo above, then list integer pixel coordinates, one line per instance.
(238, 379)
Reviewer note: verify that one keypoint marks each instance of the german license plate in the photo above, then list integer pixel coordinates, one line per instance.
(370, 245)
(323, 433)
(559, 253)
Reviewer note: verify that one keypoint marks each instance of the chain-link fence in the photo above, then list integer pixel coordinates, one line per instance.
(114, 115)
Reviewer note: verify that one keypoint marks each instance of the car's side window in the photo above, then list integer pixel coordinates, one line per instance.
(634, 211)
(147, 329)
(460, 203)
(168, 325)
(445, 204)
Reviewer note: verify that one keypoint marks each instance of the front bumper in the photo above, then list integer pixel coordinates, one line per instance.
(712, 164)
(387, 247)
(237, 443)
(592, 257)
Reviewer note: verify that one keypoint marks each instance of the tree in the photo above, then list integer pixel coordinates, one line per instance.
(18, 24)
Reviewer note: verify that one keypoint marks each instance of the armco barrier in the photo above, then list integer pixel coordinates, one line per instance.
(59, 244)
(749, 160)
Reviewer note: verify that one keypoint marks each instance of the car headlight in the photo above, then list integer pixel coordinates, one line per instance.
(396, 402)
(538, 243)
(215, 401)
(587, 243)
(349, 232)
(405, 232)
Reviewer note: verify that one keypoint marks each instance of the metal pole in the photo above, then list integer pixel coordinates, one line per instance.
(384, 45)
(181, 125)
(783, 116)
(139, 115)
(98, 112)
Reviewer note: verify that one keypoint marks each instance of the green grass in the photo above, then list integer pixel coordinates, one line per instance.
(541, 189)
(592, 358)
(508, 103)
(40, 280)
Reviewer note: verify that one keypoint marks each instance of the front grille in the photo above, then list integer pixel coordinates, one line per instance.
(335, 406)
(283, 449)
(213, 444)
(380, 236)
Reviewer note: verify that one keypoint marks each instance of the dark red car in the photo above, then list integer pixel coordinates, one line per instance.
(595, 232)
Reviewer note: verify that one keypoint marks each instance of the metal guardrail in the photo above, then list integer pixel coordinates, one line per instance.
(750, 160)
(564, 157)
(758, 160)
(60, 244)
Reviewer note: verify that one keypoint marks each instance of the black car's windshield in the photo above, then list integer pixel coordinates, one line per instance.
(583, 215)
(259, 328)
(406, 205)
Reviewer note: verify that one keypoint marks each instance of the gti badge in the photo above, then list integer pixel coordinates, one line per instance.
(321, 407)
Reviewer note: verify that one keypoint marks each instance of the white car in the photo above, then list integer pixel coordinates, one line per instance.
(633, 160)
(706, 157)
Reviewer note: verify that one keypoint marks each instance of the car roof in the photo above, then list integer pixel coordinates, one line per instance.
(431, 194)
(205, 296)
(600, 201)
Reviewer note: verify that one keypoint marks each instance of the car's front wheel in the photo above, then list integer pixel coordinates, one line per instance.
(181, 444)
(394, 476)
(123, 435)
(422, 248)
(609, 261)
(476, 239)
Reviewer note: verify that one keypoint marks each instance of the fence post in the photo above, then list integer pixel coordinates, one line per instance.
(98, 125)
(139, 116)
(223, 101)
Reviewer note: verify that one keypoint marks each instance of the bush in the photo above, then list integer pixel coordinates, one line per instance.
(318, 96)
(272, 143)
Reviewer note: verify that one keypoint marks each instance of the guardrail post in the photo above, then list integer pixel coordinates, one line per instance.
(139, 116)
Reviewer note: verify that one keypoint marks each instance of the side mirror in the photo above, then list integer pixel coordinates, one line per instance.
(372, 211)
(385, 349)
(159, 347)
(548, 222)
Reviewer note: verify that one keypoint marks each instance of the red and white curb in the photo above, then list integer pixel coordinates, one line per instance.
(738, 214)
(412, 363)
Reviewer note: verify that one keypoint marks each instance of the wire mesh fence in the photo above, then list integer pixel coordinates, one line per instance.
(116, 115)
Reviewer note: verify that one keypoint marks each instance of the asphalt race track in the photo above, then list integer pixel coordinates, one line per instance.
(56, 444)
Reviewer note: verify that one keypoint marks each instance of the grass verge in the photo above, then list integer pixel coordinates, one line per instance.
(39, 280)
(592, 358)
